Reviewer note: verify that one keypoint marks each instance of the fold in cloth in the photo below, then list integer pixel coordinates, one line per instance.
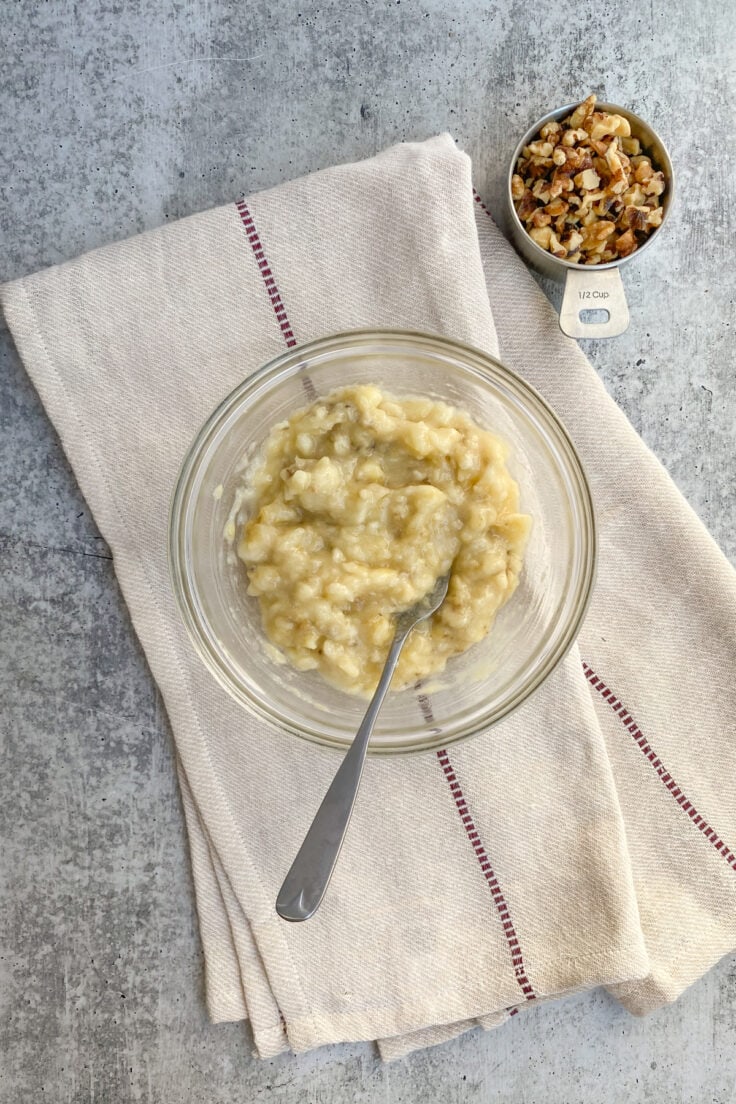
(582, 842)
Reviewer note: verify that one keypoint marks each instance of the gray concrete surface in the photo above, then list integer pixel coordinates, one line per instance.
(118, 116)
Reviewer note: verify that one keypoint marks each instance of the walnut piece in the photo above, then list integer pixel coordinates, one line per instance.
(585, 190)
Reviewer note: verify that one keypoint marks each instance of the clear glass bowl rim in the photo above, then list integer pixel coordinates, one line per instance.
(182, 504)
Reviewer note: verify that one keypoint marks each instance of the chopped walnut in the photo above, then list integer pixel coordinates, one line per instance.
(550, 130)
(588, 180)
(582, 112)
(626, 244)
(570, 137)
(555, 246)
(655, 185)
(594, 239)
(585, 189)
(604, 125)
(541, 192)
(558, 207)
(541, 235)
(634, 196)
(643, 170)
(541, 217)
(635, 218)
(527, 206)
(618, 180)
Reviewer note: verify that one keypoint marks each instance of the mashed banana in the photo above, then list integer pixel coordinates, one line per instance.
(361, 502)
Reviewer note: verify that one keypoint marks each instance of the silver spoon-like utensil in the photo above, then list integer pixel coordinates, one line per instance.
(305, 884)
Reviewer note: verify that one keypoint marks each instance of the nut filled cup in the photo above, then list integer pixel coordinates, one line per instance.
(590, 186)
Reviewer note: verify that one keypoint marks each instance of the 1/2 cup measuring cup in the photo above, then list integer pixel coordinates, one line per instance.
(591, 287)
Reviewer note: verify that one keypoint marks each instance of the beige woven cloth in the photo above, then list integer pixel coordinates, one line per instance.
(583, 842)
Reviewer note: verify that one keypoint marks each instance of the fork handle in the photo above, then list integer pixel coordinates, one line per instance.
(305, 884)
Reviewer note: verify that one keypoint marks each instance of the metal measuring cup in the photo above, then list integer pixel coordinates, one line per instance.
(591, 287)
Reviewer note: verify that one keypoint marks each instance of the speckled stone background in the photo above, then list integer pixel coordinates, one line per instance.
(116, 115)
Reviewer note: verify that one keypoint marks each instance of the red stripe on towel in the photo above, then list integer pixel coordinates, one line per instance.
(480, 203)
(658, 766)
(271, 286)
(512, 939)
(466, 819)
(265, 269)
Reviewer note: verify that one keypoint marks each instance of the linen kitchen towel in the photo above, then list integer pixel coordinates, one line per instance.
(582, 842)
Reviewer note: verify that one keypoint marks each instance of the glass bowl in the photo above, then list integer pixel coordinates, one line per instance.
(531, 633)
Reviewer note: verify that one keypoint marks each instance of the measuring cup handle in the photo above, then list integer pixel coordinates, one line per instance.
(587, 289)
